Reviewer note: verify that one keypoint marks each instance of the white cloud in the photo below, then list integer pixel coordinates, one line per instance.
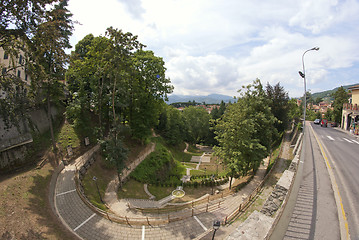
(217, 46)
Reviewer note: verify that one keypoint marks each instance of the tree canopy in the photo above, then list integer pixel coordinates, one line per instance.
(245, 132)
(340, 97)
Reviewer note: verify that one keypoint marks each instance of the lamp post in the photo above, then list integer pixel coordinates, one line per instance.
(216, 225)
(98, 190)
(302, 74)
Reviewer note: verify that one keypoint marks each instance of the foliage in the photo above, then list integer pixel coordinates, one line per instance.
(294, 111)
(48, 58)
(245, 133)
(329, 115)
(171, 125)
(340, 97)
(157, 167)
(311, 115)
(197, 122)
(114, 78)
(22, 25)
(279, 105)
(114, 150)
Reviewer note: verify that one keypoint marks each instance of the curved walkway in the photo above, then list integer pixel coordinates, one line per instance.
(86, 224)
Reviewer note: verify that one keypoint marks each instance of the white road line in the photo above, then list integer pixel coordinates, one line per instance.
(84, 222)
(143, 232)
(330, 138)
(200, 223)
(355, 141)
(347, 140)
(66, 192)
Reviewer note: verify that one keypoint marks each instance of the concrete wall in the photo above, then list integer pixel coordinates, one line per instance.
(14, 142)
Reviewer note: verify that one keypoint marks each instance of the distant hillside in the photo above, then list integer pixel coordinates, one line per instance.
(328, 94)
(210, 99)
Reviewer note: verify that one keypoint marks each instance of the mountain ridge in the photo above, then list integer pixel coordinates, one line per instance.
(208, 99)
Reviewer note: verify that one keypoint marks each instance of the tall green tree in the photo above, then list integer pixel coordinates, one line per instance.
(19, 22)
(148, 89)
(48, 57)
(171, 125)
(340, 97)
(294, 111)
(245, 133)
(279, 105)
(197, 121)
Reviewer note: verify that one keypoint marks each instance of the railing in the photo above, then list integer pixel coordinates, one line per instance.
(248, 201)
(169, 214)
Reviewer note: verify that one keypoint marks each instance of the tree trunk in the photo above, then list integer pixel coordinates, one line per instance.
(113, 101)
(230, 182)
(51, 126)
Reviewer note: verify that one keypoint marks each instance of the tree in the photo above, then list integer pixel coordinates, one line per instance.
(197, 122)
(246, 131)
(340, 97)
(147, 90)
(48, 57)
(294, 111)
(329, 115)
(114, 151)
(171, 125)
(19, 22)
(279, 105)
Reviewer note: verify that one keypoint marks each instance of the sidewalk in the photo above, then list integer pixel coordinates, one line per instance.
(86, 224)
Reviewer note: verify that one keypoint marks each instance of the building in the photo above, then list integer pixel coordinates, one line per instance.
(350, 114)
(13, 67)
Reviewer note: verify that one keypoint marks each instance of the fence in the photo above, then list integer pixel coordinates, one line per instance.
(168, 214)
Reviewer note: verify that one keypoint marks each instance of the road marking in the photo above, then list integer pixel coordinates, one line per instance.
(355, 141)
(143, 232)
(200, 223)
(84, 222)
(338, 199)
(347, 140)
(330, 138)
(65, 192)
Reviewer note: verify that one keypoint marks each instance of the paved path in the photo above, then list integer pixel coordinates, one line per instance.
(86, 224)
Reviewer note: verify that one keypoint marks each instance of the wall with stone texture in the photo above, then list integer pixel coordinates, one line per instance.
(14, 141)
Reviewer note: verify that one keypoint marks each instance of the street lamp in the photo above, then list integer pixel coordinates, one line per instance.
(98, 191)
(216, 225)
(302, 74)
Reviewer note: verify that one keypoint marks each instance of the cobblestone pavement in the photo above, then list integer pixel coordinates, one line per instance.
(86, 224)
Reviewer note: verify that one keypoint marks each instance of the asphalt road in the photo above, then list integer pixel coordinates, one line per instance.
(343, 153)
(311, 211)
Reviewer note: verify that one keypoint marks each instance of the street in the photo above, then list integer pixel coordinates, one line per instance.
(343, 153)
(324, 200)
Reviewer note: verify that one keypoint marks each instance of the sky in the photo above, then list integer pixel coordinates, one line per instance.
(217, 46)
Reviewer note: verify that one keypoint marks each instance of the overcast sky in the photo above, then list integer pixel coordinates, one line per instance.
(216, 46)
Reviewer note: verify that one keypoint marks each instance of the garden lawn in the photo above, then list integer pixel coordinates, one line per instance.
(132, 189)
(104, 175)
(160, 192)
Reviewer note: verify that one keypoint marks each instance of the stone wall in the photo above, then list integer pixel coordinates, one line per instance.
(14, 141)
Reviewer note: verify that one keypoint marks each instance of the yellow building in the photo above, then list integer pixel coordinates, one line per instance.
(350, 115)
(13, 67)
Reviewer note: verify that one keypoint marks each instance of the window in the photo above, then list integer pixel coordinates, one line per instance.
(6, 56)
(25, 77)
(18, 73)
(3, 71)
(20, 59)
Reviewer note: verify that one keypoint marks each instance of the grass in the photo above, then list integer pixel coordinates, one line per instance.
(67, 136)
(132, 189)
(103, 175)
(160, 192)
